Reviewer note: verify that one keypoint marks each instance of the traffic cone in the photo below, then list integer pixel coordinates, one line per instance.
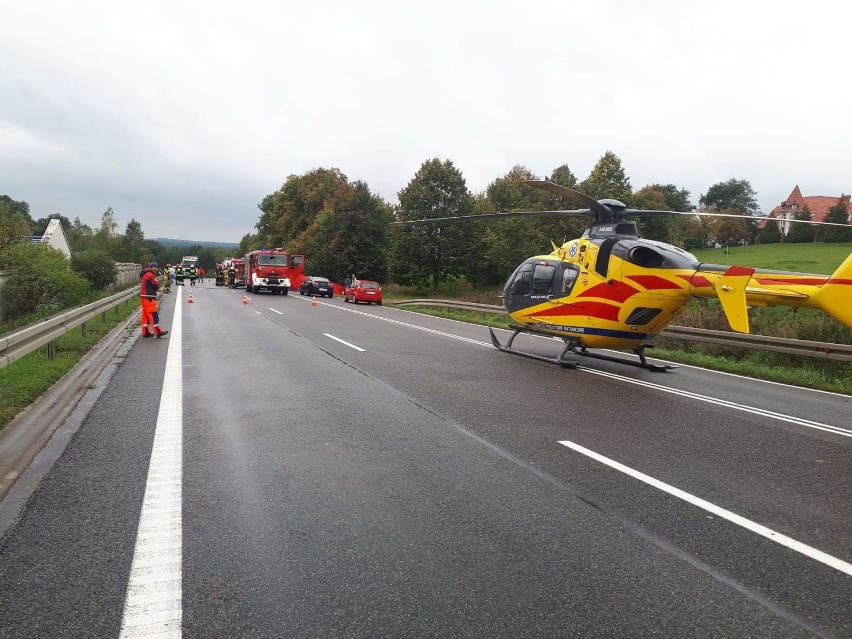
(189, 301)
(314, 300)
(245, 300)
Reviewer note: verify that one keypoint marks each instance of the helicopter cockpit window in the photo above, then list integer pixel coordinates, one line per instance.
(542, 281)
(569, 276)
(521, 281)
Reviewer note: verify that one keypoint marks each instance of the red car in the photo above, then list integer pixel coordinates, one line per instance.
(363, 291)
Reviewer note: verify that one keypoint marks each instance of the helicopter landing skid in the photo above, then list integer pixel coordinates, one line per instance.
(553, 360)
(639, 350)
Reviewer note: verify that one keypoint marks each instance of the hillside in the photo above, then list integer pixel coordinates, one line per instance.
(165, 241)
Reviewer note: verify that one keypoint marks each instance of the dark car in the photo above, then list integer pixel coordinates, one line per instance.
(317, 286)
(363, 291)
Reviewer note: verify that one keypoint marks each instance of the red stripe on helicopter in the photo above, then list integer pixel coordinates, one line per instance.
(698, 281)
(615, 291)
(598, 310)
(838, 280)
(736, 271)
(653, 282)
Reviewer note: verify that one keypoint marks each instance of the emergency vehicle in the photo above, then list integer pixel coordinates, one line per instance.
(270, 269)
(236, 267)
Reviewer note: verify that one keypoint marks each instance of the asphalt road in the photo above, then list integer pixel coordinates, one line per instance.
(361, 471)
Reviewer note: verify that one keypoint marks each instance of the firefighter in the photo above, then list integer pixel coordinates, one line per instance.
(179, 274)
(220, 275)
(167, 279)
(192, 272)
(148, 287)
(232, 276)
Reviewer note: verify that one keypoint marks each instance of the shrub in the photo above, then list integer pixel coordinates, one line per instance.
(40, 279)
(96, 266)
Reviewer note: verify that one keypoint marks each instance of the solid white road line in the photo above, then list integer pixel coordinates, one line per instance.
(276, 311)
(407, 325)
(799, 421)
(337, 339)
(154, 592)
(813, 553)
(837, 430)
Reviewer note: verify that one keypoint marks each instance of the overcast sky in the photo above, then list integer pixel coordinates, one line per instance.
(185, 115)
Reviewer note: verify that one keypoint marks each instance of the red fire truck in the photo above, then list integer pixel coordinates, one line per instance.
(271, 269)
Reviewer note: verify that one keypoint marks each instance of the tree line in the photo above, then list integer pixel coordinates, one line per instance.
(342, 227)
(41, 281)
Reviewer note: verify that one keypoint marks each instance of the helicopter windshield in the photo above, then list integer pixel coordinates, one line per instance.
(539, 279)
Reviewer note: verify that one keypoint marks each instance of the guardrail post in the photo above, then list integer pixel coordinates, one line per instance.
(51, 350)
(83, 327)
(103, 317)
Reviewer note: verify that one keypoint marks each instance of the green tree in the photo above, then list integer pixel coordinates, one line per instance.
(733, 194)
(507, 243)
(608, 180)
(80, 236)
(291, 210)
(731, 231)
(800, 233)
(40, 280)
(133, 244)
(770, 233)
(431, 252)
(15, 220)
(249, 242)
(838, 214)
(351, 239)
(105, 239)
(96, 266)
(738, 196)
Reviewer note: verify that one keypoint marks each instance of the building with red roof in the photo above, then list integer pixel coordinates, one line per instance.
(818, 207)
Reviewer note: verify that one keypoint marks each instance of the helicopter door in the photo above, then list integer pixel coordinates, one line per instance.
(564, 282)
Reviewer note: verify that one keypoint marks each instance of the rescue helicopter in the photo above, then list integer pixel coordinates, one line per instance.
(612, 289)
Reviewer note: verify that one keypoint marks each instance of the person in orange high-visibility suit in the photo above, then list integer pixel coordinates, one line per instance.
(148, 299)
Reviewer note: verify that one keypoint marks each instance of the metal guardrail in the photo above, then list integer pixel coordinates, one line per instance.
(16, 344)
(820, 350)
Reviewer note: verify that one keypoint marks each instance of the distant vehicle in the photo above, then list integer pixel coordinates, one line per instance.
(314, 285)
(364, 291)
(236, 272)
(189, 261)
(271, 270)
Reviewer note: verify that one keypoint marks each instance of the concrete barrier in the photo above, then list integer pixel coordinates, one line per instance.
(126, 274)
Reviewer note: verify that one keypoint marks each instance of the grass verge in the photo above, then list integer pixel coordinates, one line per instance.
(25, 380)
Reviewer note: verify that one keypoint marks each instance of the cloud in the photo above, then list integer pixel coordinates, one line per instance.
(185, 115)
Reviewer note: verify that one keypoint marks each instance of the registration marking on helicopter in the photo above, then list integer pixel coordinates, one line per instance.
(788, 542)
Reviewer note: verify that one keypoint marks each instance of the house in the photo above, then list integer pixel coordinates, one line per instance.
(818, 206)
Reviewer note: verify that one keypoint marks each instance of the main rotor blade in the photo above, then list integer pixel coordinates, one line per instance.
(580, 199)
(492, 216)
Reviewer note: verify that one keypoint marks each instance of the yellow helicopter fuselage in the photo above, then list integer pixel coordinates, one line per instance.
(621, 293)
